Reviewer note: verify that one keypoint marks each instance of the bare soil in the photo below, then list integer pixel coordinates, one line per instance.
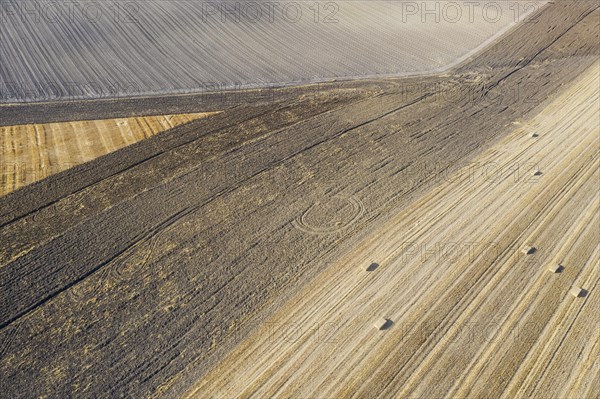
(135, 274)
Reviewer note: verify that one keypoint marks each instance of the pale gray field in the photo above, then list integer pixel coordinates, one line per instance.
(93, 49)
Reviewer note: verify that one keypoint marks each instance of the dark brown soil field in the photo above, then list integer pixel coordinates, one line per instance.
(131, 275)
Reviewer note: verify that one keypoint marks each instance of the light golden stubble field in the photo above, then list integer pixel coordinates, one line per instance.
(29, 153)
(469, 313)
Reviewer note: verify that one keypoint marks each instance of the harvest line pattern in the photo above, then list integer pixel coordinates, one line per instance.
(251, 171)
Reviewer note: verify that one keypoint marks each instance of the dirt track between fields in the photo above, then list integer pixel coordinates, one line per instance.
(133, 274)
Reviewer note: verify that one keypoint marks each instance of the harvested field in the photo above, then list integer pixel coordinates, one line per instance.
(145, 271)
(472, 316)
(29, 153)
(178, 46)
